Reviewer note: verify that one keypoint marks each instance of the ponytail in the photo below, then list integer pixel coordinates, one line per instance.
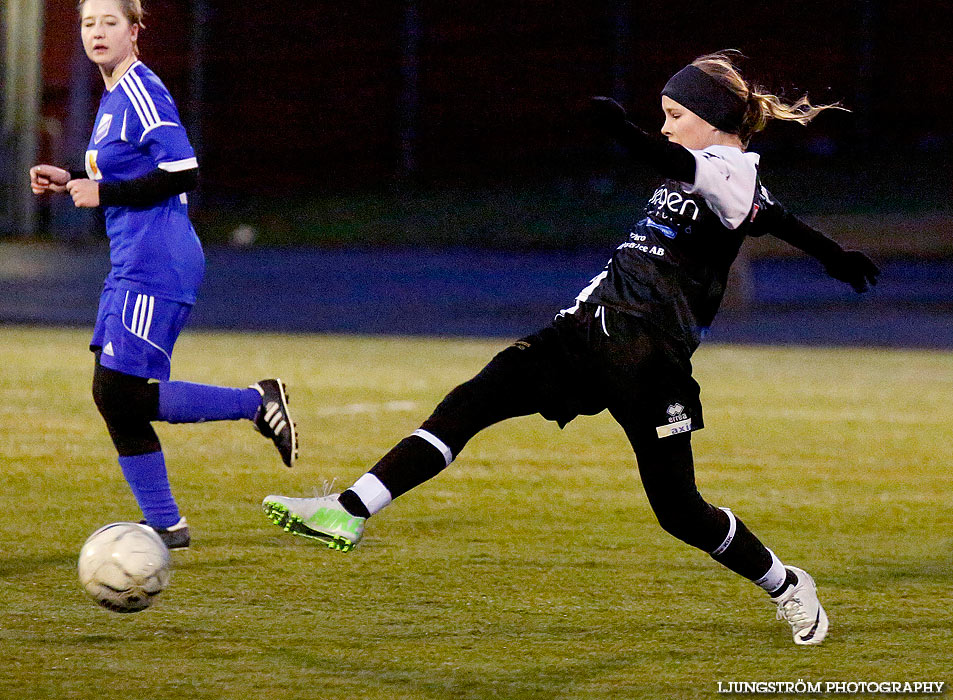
(761, 105)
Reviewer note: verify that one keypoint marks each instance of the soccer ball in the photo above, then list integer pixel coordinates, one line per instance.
(124, 566)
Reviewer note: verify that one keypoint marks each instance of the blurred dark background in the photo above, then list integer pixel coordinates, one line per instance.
(456, 125)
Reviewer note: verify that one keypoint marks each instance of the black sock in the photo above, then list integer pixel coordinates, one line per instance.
(745, 554)
(411, 462)
(353, 504)
(789, 580)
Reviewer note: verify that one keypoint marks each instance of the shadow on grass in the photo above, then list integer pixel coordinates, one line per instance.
(17, 566)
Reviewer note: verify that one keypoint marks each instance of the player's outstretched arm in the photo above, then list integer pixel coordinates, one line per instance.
(667, 159)
(48, 178)
(850, 266)
(854, 268)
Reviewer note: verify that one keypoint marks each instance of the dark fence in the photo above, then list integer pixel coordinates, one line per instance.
(324, 95)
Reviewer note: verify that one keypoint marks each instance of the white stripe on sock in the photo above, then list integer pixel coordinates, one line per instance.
(732, 526)
(372, 492)
(436, 442)
(772, 580)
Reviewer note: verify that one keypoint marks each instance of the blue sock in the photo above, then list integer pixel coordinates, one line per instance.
(147, 477)
(185, 402)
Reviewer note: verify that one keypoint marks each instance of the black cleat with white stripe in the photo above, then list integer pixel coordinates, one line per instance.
(273, 419)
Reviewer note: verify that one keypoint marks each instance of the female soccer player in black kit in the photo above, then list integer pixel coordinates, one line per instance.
(626, 344)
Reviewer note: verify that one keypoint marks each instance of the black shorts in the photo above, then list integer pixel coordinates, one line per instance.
(598, 358)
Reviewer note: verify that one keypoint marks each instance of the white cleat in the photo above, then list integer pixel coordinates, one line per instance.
(801, 608)
(322, 518)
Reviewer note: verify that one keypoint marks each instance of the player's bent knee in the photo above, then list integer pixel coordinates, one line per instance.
(692, 524)
(673, 524)
(131, 433)
(461, 414)
(128, 405)
(122, 397)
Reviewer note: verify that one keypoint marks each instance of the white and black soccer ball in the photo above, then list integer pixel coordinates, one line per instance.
(124, 566)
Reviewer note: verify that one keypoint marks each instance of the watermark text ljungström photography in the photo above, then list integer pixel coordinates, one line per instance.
(802, 687)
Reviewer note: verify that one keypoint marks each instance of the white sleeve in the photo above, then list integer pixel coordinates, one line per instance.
(725, 177)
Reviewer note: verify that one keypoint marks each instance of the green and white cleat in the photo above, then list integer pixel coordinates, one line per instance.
(322, 518)
(801, 608)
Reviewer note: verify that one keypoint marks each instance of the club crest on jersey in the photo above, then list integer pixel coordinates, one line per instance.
(103, 128)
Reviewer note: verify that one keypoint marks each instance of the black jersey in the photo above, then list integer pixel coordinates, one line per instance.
(672, 268)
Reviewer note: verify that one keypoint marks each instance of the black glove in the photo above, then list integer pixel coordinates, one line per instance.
(606, 114)
(854, 268)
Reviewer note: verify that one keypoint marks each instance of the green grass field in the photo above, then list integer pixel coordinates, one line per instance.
(532, 568)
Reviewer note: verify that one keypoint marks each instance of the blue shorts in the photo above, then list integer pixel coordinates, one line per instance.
(137, 331)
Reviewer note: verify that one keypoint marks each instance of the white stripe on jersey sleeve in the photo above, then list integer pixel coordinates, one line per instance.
(149, 104)
(176, 166)
(156, 126)
(725, 176)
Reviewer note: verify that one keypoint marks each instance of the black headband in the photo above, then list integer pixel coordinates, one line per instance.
(707, 97)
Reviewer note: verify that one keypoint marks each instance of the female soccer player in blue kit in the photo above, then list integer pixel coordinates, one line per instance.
(626, 344)
(139, 166)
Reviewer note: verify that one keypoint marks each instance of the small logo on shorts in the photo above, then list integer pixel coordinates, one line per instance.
(678, 422)
(676, 412)
(108, 350)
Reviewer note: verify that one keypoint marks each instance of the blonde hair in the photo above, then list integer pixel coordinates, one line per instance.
(761, 106)
(132, 9)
